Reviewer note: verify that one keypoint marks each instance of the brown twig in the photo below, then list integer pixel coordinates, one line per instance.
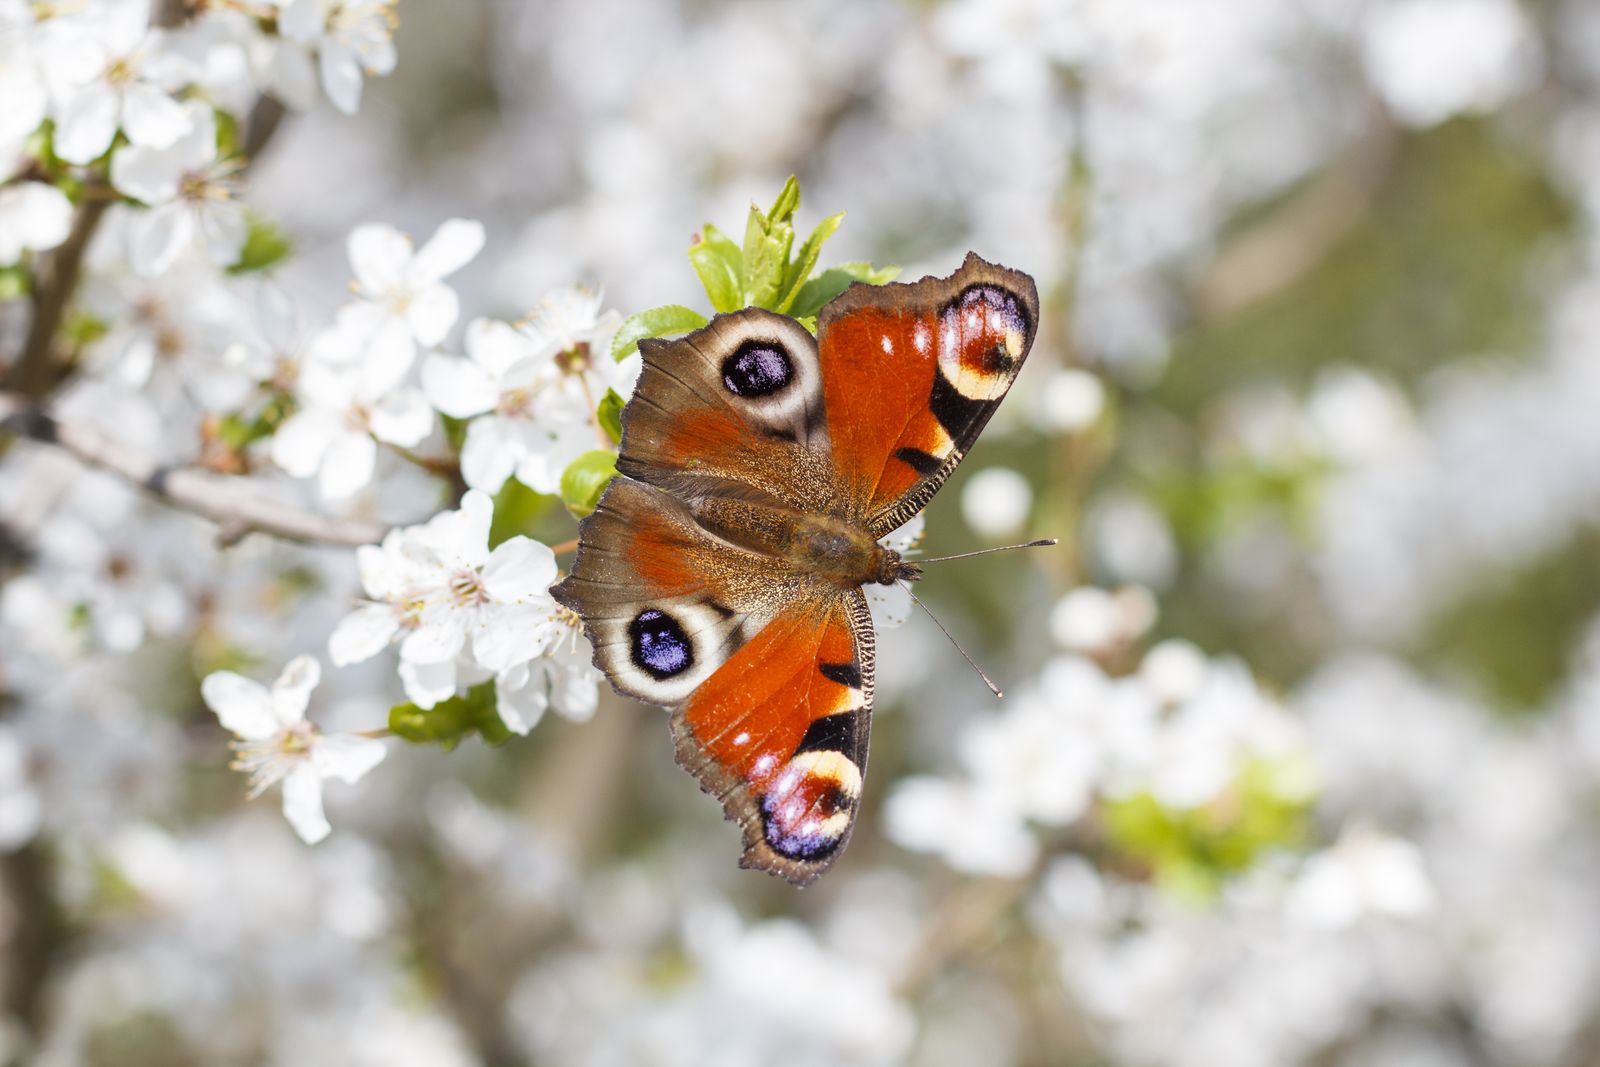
(33, 374)
(1290, 241)
(236, 506)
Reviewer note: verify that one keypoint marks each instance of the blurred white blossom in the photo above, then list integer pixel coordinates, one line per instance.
(190, 194)
(34, 217)
(350, 38)
(112, 72)
(1433, 58)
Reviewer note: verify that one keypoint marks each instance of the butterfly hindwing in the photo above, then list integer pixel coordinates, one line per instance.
(779, 734)
(663, 602)
(912, 372)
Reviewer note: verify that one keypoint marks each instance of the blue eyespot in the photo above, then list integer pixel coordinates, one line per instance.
(658, 644)
(757, 368)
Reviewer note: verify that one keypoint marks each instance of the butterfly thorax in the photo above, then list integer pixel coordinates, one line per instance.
(830, 547)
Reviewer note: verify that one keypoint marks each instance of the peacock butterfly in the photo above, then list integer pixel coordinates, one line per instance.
(721, 573)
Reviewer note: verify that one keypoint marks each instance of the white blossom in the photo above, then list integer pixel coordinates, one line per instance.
(277, 744)
(333, 435)
(562, 678)
(441, 592)
(521, 424)
(190, 196)
(112, 73)
(34, 217)
(1366, 872)
(350, 37)
(401, 299)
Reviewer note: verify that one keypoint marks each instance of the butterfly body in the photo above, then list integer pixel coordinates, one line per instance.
(721, 573)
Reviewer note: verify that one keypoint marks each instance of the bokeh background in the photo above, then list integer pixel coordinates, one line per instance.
(1299, 756)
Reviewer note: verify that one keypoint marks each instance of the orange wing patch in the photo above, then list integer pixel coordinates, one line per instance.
(779, 734)
(911, 373)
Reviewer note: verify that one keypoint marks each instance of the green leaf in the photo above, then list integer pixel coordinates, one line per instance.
(766, 256)
(610, 415)
(585, 478)
(230, 138)
(450, 721)
(788, 201)
(264, 246)
(84, 328)
(13, 283)
(806, 261)
(835, 280)
(720, 265)
(657, 322)
(238, 430)
(517, 510)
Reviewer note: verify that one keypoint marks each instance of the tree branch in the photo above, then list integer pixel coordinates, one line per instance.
(33, 374)
(235, 506)
(1293, 239)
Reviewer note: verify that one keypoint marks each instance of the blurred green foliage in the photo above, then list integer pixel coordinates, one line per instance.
(1444, 265)
(1191, 852)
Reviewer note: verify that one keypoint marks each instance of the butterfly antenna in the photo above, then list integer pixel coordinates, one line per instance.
(985, 551)
(995, 689)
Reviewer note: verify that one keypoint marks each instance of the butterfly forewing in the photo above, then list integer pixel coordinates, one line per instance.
(915, 371)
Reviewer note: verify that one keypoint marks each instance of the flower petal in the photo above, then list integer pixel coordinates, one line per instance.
(290, 74)
(458, 387)
(491, 452)
(362, 634)
(292, 691)
(431, 312)
(519, 569)
(388, 356)
(450, 248)
(302, 803)
(379, 255)
(86, 124)
(301, 20)
(575, 694)
(437, 640)
(402, 418)
(460, 538)
(152, 118)
(428, 683)
(503, 635)
(520, 697)
(223, 229)
(497, 346)
(302, 441)
(341, 77)
(345, 756)
(243, 706)
(146, 174)
(348, 465)
(158, 237)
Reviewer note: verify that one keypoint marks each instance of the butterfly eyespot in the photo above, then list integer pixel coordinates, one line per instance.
(658, 645)
(757, 368)
(989, 305)
(807, 809)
